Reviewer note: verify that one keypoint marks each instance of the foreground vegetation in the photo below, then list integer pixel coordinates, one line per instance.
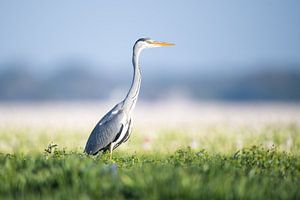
(218, 152)
(250, 173)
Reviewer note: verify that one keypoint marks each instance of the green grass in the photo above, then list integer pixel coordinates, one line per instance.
(215, 138)
(224, 162)
(250, 173)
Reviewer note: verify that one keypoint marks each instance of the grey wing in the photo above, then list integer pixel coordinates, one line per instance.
(105, 131)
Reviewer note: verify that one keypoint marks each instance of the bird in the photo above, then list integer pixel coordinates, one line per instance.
(115, 126)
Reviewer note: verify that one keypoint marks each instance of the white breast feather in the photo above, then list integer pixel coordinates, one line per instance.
(124, 130)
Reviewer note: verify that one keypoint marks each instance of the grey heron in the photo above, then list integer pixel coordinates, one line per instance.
(115, 127)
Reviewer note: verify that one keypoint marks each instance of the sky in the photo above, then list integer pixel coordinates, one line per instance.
(207, 33)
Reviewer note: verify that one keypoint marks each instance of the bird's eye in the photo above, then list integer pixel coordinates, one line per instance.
(149, 41)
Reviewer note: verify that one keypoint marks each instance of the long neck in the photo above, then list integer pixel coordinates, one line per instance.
(131, 98)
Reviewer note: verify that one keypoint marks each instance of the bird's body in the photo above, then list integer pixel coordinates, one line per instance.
(115, 127)
(110, 131)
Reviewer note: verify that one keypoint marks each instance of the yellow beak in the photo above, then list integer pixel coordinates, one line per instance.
(161, 44)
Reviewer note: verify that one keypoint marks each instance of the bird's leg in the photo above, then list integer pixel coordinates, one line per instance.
(111, 149)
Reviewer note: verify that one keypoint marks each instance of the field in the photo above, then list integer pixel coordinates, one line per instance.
(178, 150)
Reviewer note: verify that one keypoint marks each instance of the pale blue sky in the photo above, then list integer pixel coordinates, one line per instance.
(102, 32)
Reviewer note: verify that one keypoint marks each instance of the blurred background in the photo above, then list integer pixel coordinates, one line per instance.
(78, 50)
(232, 79)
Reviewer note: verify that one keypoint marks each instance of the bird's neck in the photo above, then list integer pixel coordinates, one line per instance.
(131, 98)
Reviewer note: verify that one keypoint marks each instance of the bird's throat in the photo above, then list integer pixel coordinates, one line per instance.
(132, 96)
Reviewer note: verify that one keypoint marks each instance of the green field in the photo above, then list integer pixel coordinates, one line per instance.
(250, 173)
(230, 158)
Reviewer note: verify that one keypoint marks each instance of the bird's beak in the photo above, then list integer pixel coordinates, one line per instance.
(162, 44)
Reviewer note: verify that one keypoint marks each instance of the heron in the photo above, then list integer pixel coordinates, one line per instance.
(115, 126)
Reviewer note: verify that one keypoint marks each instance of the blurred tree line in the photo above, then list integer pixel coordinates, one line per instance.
(77, 82)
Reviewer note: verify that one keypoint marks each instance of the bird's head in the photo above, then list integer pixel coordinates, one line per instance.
(144, 43)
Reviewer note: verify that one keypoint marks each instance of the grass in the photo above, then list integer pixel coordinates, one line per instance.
(250, 173)
(224, 157)
(213, 138)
